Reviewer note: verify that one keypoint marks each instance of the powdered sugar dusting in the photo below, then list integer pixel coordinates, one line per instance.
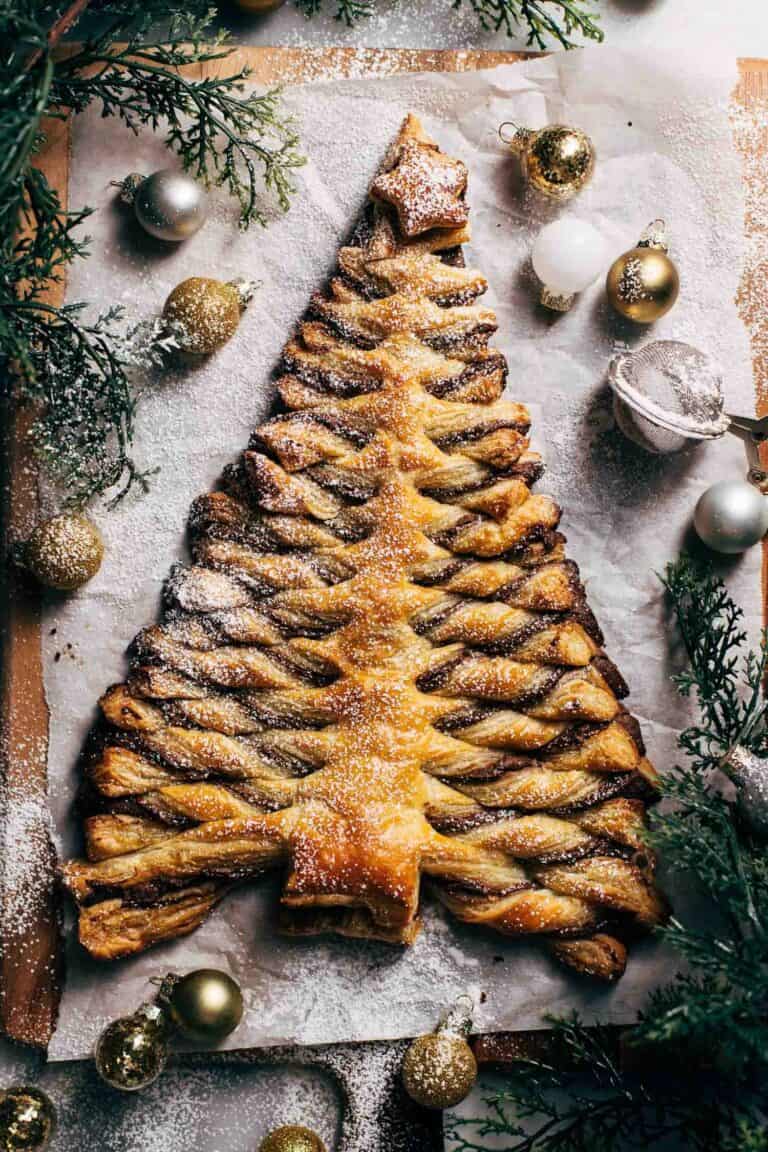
(624, 513)
(26, 875)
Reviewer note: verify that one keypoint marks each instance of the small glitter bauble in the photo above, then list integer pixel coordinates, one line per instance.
(439, 1070)
(644, 284)
(731, 516)
(292, 1138)
(206, 312)
(27, 1119)
(132, 1052)
(258, 7)
(205, 1004)
(64, 552)
(557, 161)
(169, 205)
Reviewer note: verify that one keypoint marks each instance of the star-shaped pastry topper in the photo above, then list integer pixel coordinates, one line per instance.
(425, 187)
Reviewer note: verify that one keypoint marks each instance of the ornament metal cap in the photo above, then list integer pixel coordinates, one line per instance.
(556, 301)
(519, 140)
(246, 289)
(129, 186)
(655, 235)
(457, 1021)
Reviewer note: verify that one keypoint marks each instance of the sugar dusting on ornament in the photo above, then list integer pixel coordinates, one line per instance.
(643, 283)
(64, 553)
(206, 312)
(440, 1070)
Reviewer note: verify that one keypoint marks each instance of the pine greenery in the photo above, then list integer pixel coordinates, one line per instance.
(693, 1071)
(543, 21)
(77, 371)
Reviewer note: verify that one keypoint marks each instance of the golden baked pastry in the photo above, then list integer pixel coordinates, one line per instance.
(379, 666)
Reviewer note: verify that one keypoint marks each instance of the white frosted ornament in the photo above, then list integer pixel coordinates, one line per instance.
(567, 256)
(731, 516)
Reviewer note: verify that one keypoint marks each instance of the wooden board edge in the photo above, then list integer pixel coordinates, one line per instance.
(31, 959)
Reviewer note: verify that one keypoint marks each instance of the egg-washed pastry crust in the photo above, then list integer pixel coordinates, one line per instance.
(379, 670)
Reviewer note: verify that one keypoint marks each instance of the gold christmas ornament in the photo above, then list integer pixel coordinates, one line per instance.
(206, 1004)
(557, 161)
(27, 1120)
(206, 312)
(132, 1052)
(292, 1138)
(440, 1070)
(64, 552)
(644, 284)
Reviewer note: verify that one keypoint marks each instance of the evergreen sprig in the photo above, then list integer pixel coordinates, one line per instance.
(694, 1067)
(348, 12)
(78, 371)
(712, 634)
(544, 21)
(222, 134)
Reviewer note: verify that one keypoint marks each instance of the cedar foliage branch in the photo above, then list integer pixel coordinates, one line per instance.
(77, 369)
(542, 21)
(693, 1071)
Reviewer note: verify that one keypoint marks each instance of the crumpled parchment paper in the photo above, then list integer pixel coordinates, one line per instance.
(663, 141)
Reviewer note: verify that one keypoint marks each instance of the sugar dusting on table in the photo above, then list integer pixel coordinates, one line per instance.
(625, 513)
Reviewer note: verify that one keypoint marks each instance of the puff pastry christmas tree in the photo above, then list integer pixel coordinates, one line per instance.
(379, 672)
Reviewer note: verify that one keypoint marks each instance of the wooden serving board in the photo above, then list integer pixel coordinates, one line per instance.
(29, 959)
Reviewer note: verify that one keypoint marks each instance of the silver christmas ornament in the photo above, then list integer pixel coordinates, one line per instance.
(731, 516)
(750, 775)
(170, 205)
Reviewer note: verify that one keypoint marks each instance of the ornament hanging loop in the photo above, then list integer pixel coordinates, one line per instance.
(508, 124)
(457, 1021)
(128, 186)
(655, 235)
(518, 139)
